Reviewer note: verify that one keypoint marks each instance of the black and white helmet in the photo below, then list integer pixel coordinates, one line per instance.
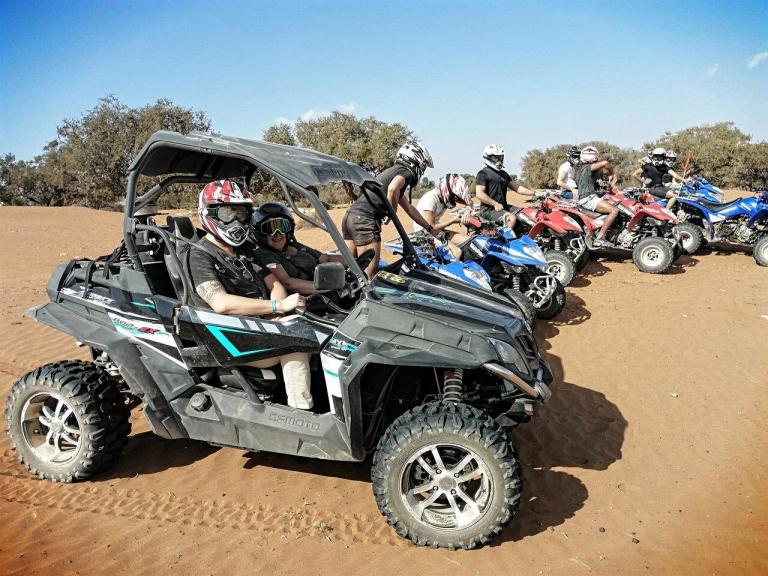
(671, 158)
(573, 154)
(658, 156)
(493, 154)
(415, 156)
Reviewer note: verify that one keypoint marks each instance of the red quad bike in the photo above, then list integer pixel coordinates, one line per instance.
(559, 236)
(648, 231)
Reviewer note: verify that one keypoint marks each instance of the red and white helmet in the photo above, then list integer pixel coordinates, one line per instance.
(225, 211)
(453, 187)
(589, 154)
(493, 154)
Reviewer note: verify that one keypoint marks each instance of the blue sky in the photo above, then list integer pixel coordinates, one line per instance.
(460, 74)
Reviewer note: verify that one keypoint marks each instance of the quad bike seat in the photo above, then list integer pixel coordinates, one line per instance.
(716, 206)
(590, 213)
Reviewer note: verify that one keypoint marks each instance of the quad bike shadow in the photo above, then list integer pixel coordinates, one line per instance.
(593, 269)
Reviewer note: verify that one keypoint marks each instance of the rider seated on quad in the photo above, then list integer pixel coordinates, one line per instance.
(656, 173)
(589, 192)
(292, 263)
(230, 282)
(566, 173)
(491, 186)
(450, 189)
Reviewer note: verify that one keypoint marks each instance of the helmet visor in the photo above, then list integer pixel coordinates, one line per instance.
(230, 213)
(276, 226)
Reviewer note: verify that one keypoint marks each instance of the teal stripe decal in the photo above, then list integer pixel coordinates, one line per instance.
(218, 333)
(143, 305)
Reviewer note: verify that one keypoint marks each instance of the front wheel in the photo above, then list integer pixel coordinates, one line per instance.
(561, 266)
(691, 237)
(519, 299)
(582, 260)
(552, 307)
(653, 255)
(760, 251)
(67, 420)
(446, 475)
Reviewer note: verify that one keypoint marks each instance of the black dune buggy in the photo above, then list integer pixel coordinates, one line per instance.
(424, 372)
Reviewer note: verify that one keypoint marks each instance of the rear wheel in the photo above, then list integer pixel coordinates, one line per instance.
(67, 420)
(760, 251)
(561, 266)
(582, 260)
(446, 475)
(653, 255)
(691, 237)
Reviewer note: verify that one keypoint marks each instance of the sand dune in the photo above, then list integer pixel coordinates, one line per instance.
(649, 458)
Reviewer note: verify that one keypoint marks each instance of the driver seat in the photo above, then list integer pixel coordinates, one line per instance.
(179, 227)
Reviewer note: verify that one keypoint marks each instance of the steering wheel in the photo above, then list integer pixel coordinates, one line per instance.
(364, 259)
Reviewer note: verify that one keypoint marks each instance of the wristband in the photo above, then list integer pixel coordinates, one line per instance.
(274, 306)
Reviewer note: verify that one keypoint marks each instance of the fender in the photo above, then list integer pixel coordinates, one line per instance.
(694, 206)
(546, 224)
(761, 215)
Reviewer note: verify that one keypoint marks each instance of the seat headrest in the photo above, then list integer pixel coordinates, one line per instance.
(181, 227)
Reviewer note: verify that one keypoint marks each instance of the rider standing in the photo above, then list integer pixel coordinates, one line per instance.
(361, 226)
(589, 193)
(566, 172)
(491, 186)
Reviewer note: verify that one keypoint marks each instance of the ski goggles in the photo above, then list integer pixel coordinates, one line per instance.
(228, 214)
(275, 226)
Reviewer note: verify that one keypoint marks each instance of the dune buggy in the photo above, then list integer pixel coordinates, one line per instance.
(424, 372)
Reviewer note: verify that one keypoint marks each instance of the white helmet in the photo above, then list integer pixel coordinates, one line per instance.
(589, 154)
(415, 156)
(658, 156)
(493, 154)
(671, 158)
(453, 187)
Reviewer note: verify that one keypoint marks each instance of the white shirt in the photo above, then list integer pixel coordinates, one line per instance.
(567, 173)
(430, 202)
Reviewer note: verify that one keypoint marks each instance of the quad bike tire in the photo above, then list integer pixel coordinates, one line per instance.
(67, 421)
(653, 255)
(561, 266)
(525, 305)
(554, 305)
(471, 446)
(582, 260)
(760, 251)
(691, 237)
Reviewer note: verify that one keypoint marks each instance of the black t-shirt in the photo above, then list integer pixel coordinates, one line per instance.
(371, 203)
(496, 183)
(240, 275)
(656, 174)
(300, 265)
(587, 181)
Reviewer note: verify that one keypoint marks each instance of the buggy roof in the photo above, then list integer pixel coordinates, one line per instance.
(210, 156)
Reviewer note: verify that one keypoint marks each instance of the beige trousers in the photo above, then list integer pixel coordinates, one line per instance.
(296, 375)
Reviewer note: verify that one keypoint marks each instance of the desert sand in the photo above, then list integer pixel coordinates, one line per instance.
(650, 458)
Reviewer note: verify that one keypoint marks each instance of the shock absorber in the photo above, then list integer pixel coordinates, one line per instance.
(516, 282)
(558, 243)
(453, 385)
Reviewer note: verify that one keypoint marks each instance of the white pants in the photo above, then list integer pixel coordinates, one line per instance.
(590, 202)
(296, 376)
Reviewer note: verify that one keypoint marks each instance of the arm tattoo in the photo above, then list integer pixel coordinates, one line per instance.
(208, 291)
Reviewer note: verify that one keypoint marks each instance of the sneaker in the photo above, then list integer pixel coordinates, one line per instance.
(602, 243)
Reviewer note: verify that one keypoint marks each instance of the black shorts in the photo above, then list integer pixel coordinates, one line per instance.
(497, 216)
(658, 191)
(361, 228)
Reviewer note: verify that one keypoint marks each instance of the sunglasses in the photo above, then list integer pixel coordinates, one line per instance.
(228, 214)
(276, 226)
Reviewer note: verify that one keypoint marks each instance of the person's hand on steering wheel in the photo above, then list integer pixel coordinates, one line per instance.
(291, 303)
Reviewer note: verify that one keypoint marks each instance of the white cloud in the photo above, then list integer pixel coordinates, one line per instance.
(712, 70)
(283, 120)
(757, 59)
(348, 108)
(313, 114)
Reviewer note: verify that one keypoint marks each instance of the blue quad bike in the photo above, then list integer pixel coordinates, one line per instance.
(512, 266)
(743, 222)
(437, 257)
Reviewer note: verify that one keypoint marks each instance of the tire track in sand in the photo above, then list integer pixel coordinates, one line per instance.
(303, 521)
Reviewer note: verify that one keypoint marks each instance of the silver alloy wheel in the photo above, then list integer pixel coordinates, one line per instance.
(50, 428)
(446, 486)
(765, 252)
(651, 255)
(686, 241)
(556, 270)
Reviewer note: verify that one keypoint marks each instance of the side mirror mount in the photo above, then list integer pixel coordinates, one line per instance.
(329, 276)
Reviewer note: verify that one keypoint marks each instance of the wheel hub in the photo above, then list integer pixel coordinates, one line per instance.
(50, 428)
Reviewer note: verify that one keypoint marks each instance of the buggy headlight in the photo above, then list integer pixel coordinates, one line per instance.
(509, 355)
(480, 278)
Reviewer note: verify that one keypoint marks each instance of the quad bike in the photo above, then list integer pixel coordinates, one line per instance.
(437, 256)
(646, 231)
(425, 372)
(516, 263)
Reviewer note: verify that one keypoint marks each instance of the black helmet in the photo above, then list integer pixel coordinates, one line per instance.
(573, 155)
(272, 218)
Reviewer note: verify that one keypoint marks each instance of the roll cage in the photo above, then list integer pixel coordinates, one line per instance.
(200, 157)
